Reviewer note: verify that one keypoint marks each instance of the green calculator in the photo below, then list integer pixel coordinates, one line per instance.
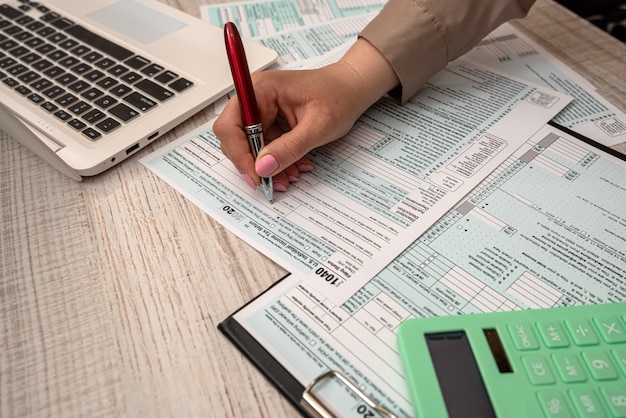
(557, 362)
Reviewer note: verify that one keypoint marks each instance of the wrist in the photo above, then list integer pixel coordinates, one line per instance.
(372, 74)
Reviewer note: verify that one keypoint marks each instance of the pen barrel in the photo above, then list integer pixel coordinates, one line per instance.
(241, 74)
(255, 138)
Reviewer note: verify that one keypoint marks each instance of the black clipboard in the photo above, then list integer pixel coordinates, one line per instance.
(301, 397)
(288, 386)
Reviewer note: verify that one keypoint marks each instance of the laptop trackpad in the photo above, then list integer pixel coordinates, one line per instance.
(136, 21)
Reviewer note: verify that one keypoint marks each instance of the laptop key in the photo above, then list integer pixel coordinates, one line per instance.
(50, 107)
(49, 17)
(7, 62)
(107, 83)
(155, 90)
(11, 82)
(92, 56)
(62, 23)
(137, 62)
(131, 77)
(105, 102)
(17, 69)
(125, 113)
(152, 70)
(66, 79)
(92, 134)
(140, 101)
(19, 51)
(23, 36)
(8, 44)
(23, 90)
(66, 100)
(42, 65)
(35, 26)
(99, 43)
(24, 20)
(34, 42)
(9, 12)
(28, 77)
(68, 44)
(80, 107)
(181, 84)
(57, 55)
(80, 50)
(166, 76)
(53, 92)
(77, 124)
(30, 58)
(54, 72)
(79, 86)
(92, 94)
(69, 61)
(108, 125)
(45, 48)
(62, 114)
(120, 90)
(35, 98)
(94, 116)
(46, 31)
(41, 84)
(94, 75)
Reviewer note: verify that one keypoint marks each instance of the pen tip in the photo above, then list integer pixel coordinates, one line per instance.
(268, 190)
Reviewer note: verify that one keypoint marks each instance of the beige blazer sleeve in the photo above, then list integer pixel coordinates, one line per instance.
(419, 37)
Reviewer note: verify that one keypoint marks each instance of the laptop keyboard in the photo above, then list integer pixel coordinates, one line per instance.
(84, 80)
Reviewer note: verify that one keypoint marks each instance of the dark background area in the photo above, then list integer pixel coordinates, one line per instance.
(608, 15)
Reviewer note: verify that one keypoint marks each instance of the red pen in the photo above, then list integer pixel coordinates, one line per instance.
(247, 100)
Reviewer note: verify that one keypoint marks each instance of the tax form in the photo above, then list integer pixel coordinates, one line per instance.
(547, 228)
(263, 18)
(508, 50)
(374, 191)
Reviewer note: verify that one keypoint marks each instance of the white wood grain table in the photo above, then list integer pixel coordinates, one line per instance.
(111, 289)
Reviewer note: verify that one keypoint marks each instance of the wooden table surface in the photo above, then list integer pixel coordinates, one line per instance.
(111, 289)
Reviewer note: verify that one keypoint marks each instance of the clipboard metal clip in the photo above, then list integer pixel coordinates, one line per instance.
(315, 408)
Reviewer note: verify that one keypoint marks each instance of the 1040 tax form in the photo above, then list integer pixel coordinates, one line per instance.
(376, 190)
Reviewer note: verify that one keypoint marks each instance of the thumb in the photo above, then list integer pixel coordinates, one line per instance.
(286, 150)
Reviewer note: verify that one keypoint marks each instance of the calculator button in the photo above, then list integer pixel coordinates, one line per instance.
(615, 397)
(600, 365)
(587, 403)
(611, 329)
(569, 367)
(553, 334)
(620, 358)
(554, 404)
(538, 370)
(582, 332)
(523, 336)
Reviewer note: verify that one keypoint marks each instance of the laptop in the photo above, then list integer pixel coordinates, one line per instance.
(86, 84)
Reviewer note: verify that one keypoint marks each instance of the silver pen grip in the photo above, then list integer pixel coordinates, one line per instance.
(255, 137)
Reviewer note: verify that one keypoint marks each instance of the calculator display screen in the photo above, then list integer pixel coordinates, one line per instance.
(458, 375)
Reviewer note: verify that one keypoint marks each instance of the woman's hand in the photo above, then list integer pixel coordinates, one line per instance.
(301, 110)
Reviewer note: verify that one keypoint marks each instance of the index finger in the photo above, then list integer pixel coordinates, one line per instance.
(228, 129)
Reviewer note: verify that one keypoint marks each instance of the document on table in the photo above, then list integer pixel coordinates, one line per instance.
(546, 229)
(373, 192)
(509, 50)
(263, 18)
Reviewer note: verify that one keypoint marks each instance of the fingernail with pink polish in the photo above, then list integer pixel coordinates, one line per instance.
(279, 187)
(266, 165)
(293, 179)
(250, 182)
(303, 168)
